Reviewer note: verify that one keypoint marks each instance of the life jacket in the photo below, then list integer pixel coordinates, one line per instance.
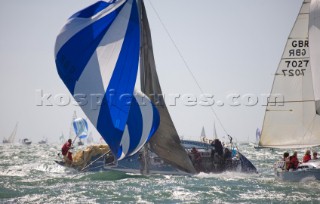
(65, 148)
(306, 158)
(294, 162)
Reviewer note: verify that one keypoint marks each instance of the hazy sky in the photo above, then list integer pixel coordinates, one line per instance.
(232, 47)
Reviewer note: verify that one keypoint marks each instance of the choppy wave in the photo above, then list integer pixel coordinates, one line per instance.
(28, 174)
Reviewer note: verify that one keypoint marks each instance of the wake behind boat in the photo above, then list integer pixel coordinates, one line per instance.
(293, 120)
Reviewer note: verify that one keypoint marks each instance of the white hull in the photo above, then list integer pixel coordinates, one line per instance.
(26, 141)
(305, 171)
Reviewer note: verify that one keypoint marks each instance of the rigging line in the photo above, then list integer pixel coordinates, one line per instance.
(185, 63)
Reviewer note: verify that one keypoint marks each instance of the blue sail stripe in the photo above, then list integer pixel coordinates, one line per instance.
(73, 56)
(124, 75)
(120, 120)
(122, 82)
(135, 125)
(156, 121)
(143, 120)
(91, 10)
(103, 62)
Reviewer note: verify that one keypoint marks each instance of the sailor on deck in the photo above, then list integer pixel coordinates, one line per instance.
(196, 159)
(307, 156)
(315, 156)
(294, 161)
(67, 156)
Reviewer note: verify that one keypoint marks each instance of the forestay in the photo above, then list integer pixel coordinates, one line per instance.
(291, 120)
(97, 55)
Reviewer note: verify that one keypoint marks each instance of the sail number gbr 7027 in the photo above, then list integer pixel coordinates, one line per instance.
(298, 67)
(295, 66)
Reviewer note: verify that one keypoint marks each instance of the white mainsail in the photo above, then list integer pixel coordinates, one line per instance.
(12, 137)
(291, 121)
(203, 137)
(215, 135)
(203, 133)
(314, 39)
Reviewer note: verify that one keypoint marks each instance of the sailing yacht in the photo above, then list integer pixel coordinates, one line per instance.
(26, 141)
(90, 138)
(43, 141)
(203, 137)
(12, 136)
(98, 52)
(294, 122)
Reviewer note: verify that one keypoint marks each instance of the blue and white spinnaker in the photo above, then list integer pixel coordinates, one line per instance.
(80, 126)
(97, 55)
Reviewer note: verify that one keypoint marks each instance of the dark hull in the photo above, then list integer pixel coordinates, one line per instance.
(135, 164)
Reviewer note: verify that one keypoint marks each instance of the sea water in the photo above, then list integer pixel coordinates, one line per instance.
(28, 174)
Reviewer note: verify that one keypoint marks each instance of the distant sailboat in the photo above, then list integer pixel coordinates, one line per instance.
(81, 130)
(215, 135)
(43, 141)
(26, 141)
(90, 138)
(12, 137)
(293, 121)
(62, 139)
(258, 135)
(72, 134)
(204, 138)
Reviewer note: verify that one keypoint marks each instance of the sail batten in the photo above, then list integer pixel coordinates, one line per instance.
(294, 122)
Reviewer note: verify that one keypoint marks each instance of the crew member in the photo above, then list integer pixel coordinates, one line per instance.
(196, 159)
(294, 161)
(218, 148)
(286, 161)
(67, 156)
(315, 156)
(307, 156)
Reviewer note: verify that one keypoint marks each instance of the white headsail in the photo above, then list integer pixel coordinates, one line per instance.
(291, 120)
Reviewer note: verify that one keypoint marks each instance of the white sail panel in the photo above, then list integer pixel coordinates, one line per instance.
(291, 126)
(314, 38)
(97, 56)
(203, 133)
(292, 122)
(75, 25)
(102, 64)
